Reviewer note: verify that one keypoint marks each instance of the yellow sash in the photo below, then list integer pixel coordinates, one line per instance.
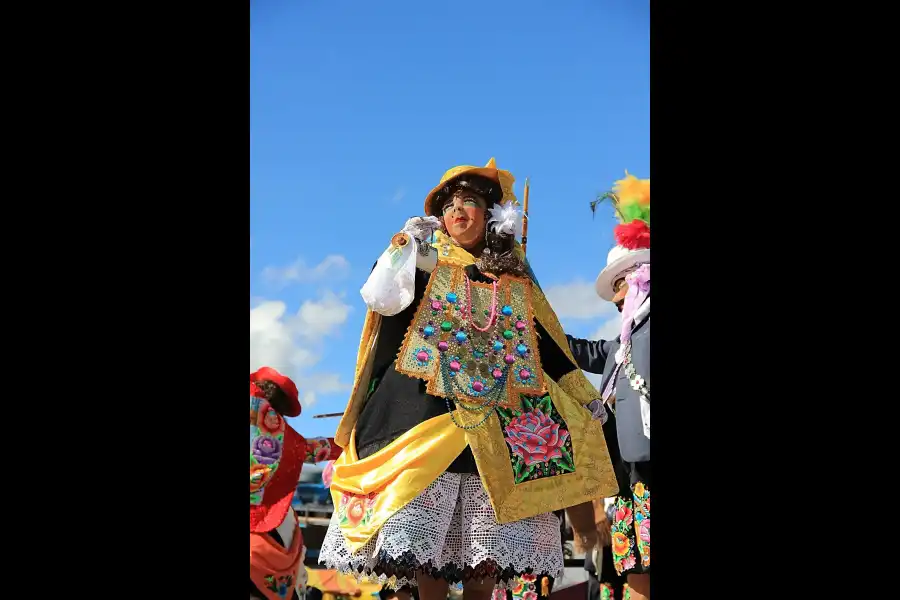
(367, 492)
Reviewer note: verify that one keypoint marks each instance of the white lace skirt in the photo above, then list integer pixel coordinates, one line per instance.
(449, 531)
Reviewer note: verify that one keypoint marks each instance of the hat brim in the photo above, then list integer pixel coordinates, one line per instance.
(612, 271)
(486, 172)
(280, 490)
(285, 383)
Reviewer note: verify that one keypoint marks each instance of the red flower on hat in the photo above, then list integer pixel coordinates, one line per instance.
(269, 419)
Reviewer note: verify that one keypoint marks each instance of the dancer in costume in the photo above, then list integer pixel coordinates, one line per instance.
(625, 365)
(467, 424)
(277, 454)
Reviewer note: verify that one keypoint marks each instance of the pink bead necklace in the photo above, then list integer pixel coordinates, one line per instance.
(493, 315)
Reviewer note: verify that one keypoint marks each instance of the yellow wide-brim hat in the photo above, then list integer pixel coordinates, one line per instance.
(489, 171)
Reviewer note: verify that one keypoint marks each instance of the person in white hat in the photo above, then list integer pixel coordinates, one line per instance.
(625, 388)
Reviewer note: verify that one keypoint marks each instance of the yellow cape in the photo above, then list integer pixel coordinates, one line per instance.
(367, 492)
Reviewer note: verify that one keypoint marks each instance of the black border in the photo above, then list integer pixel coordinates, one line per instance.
(180, 209)
(733, 476)
(721, 473)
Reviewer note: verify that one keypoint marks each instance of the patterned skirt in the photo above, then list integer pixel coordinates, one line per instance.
(449, 532)
(631, 522)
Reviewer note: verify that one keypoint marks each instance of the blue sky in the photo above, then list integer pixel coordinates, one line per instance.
(357, 109)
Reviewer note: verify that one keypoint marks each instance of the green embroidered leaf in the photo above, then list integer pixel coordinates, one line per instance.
(506, 415)
(525, 474)
(517, 469)
(544, 405)
(526, 404)
(567, 459)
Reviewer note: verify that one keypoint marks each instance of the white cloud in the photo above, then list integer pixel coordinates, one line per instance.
(291, 343)
(398, 196)
(332, 267)
(609, 330)
(316, 319)
(578, 300)
(320, 383)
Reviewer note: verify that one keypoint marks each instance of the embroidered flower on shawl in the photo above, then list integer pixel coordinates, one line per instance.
(269, 420)
(356, 510)
(266, 449)
(259, 474)
(535, 437)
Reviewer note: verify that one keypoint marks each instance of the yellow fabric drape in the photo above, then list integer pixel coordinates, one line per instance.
(367, 492)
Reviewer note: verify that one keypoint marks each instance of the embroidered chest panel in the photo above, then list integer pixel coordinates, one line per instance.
(474, 342)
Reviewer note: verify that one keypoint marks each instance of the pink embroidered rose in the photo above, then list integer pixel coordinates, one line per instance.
(644, 532)
(535, 437)
(269, 420)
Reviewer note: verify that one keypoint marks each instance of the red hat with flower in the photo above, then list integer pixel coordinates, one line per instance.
(277, 453)
(284, 382)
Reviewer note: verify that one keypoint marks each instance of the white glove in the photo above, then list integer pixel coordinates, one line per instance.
(422, 228)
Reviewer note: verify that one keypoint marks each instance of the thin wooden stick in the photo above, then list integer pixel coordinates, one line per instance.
(525, 219)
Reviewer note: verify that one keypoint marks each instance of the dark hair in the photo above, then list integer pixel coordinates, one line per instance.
(275, 395)
(484, 187)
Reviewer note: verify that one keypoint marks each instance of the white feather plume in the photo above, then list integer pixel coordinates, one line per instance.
(506, 219)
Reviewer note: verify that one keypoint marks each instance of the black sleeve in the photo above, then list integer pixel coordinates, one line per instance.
(589, 354)
(553, 360)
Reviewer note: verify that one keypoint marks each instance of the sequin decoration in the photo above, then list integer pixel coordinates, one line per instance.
(466, 365)
(538, 440)
(423, 356)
